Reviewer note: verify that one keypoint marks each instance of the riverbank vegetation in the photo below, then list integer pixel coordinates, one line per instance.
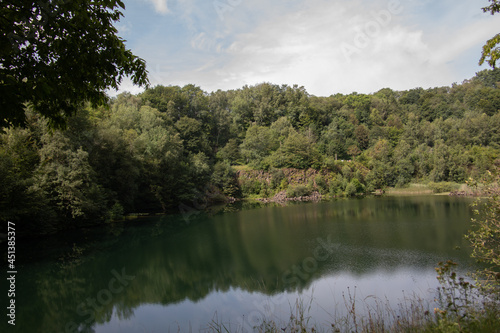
(174, 147)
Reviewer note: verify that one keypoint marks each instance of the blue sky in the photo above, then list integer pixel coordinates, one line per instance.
(327, 46)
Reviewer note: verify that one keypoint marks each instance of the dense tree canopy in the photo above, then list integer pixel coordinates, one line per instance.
(176, 147)
(57, 54)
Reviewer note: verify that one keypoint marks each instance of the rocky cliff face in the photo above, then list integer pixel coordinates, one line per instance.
(293, 176)
(282, 197)
(281, 185)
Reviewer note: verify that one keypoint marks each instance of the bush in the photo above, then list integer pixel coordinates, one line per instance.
(347, 172)
(360, 188)
(115, 213)
(265, 191)
(224, 178)
(329, 163)
(337, 186)
(321, 184)
(442, 187)
(350, 190)
(277, 176)
(462, 306)
(251, 187)
(284, 184)
(485, 237)
(297, 191)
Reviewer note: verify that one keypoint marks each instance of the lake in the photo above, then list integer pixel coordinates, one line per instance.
(238, 264)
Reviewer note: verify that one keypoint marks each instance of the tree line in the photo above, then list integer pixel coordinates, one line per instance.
(174, 145)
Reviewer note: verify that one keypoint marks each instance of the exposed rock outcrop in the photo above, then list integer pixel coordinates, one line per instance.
(282, 197)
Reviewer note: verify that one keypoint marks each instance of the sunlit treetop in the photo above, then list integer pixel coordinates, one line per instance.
(57, 54)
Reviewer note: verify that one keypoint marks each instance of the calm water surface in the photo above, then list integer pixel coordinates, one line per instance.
(238, 266)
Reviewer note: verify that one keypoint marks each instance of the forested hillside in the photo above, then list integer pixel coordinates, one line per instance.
(171, 147)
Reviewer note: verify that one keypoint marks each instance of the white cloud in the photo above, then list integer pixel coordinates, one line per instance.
(304, 47)
(304, 42)
(160, 6)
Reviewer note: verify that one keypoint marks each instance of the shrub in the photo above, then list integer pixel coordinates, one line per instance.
(462, 306)
(224, 177)
(329, 163)
(442, 187)
(251, 186)
(321, 184)
(360, 188)
(337, 186)
(115, 213)
(277, 176)
(485, 238)
(350, 190)
(284, 184)
(297, 191)
(346, 172)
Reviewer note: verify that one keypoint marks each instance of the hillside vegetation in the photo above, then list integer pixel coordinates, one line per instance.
(176, 147)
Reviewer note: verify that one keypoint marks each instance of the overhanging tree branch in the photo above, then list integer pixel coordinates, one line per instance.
(491, 50)
(56, 55)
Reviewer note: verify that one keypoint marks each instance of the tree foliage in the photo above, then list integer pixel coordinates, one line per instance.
(485, 237)
(491, 50)
(56, 55)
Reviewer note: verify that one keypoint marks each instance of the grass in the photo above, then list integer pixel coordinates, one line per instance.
(411, 315)
(242, 168)
(412, 189)
(441, 188)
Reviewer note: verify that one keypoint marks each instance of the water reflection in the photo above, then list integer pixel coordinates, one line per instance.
(226, 263)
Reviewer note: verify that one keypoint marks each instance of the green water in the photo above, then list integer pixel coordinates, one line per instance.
(236, 266)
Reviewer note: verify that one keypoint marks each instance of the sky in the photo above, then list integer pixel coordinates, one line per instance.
(327, 46)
